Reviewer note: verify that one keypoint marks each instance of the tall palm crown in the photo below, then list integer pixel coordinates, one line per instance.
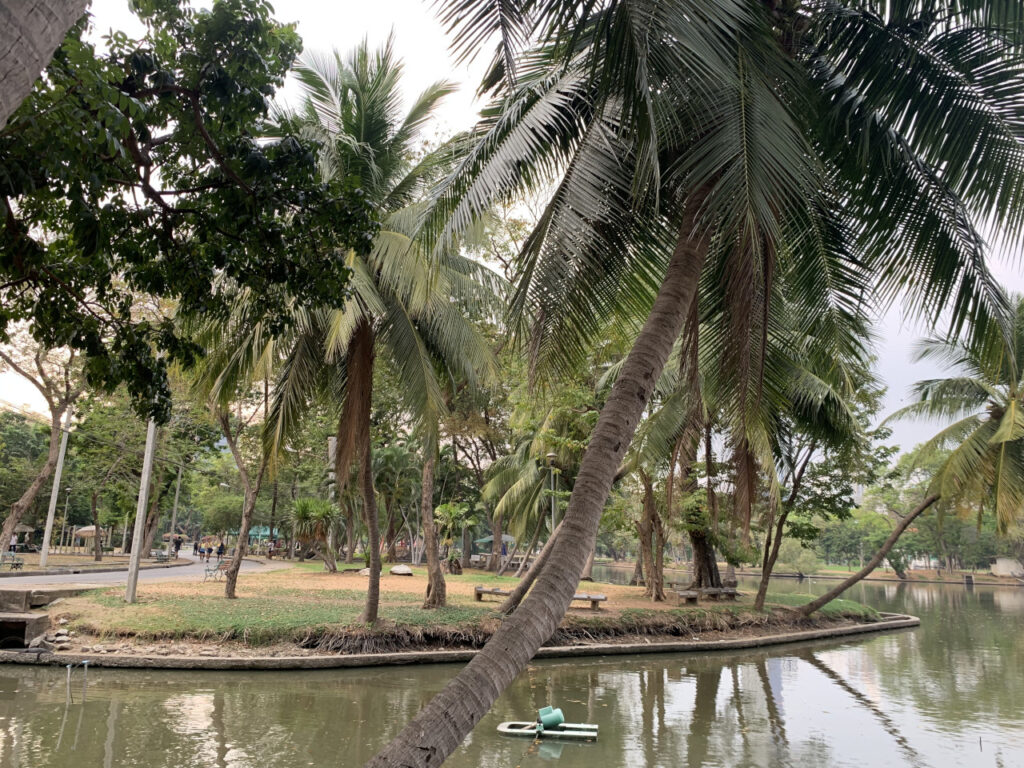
(985, 400)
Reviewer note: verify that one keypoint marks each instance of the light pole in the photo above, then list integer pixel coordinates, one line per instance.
(551, 472)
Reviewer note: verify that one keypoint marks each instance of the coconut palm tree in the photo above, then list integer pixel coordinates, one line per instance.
(983, 468)
(411, 307)
(681, 134)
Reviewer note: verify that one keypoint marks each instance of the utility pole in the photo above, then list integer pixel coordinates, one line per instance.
(174, 512)
(140, 514)
(55, 491)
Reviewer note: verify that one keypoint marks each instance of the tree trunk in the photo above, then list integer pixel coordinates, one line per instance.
(771, 555)
(97, 540)
(436, 596)
(31, 31)
(506, 562)
(350, 535)
(588, 569)
(653, 584)
(152, 515)
(249, 504)
(705, 566)
(531, 548)
(889, 543)
(638, 572)
(28, 498)
(442, 725)
(467, 546)
(512, 601)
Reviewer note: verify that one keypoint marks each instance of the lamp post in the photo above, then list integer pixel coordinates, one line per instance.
(551, 472)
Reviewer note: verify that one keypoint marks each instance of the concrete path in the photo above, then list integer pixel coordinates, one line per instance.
(179, 573)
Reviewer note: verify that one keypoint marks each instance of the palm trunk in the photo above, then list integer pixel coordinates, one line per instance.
(588, 569)
(512, 601)
(638, 573)
(152, 516)
(442, 725)
(31, 34)
(531, 548)
(467, 546)
(436, 596)
(28, 498)
(369, 615)
(508, 560)
(890, 542)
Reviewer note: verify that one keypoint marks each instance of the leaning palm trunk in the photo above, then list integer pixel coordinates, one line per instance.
(512, 601)
(873, 563)
(436, 588)
(442, 725)
(32, 31)
(531, 548)
(506, 562)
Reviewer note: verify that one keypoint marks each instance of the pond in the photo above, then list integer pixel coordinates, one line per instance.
(949, 693)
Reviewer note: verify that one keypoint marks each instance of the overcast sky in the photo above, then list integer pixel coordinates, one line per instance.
(421, 42)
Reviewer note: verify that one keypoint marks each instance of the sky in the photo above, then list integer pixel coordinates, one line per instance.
(421, 41)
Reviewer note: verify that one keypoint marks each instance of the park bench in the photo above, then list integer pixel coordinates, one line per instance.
(687, 596)
(215, 571)
(13, 562)
(161, 557)
(717, 593)
(479, 592)
(593, 599)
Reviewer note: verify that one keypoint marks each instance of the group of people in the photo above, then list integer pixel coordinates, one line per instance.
(206, 551)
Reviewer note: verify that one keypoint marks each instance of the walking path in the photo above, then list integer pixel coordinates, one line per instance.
(174, 573)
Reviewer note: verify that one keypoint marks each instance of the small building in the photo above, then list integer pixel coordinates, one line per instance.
(1008, 566)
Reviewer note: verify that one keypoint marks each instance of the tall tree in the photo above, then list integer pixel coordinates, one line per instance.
(132, 170)
(56, 375)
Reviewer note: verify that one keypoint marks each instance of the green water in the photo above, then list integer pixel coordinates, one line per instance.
(950, 693)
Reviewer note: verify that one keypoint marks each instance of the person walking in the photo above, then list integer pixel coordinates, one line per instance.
(195, 547)
(220, 551)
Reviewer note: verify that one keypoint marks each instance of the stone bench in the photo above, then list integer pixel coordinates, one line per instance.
(719, 593)
(593, 599)
(13, 562)
(479, 592)
(687, 596)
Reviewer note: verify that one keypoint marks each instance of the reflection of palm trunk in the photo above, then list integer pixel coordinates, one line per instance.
(774, 711)
(108, 745)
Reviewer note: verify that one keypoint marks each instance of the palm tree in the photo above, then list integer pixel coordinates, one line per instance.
(983, 466)
(410, 306)
(681, 134)
(317, 522)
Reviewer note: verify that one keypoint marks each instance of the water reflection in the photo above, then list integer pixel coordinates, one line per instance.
(945, 694)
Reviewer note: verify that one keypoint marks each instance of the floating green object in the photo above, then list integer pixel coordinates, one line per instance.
(550, 724)
(549, 717)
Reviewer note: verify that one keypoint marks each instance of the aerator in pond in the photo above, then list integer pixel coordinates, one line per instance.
(550, 724)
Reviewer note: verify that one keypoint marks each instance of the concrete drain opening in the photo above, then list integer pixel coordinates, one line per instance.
(18, 629)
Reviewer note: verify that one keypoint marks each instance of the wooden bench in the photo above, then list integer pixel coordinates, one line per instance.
(594, 600)
(13, 562)
(687, 596)
(479, 592)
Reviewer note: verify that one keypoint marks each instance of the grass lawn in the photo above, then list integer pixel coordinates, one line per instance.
(307, 606)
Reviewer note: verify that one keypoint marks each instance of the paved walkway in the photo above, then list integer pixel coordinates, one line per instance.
(194, 570)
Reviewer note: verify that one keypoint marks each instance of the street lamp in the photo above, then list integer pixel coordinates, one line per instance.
(551, 472)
